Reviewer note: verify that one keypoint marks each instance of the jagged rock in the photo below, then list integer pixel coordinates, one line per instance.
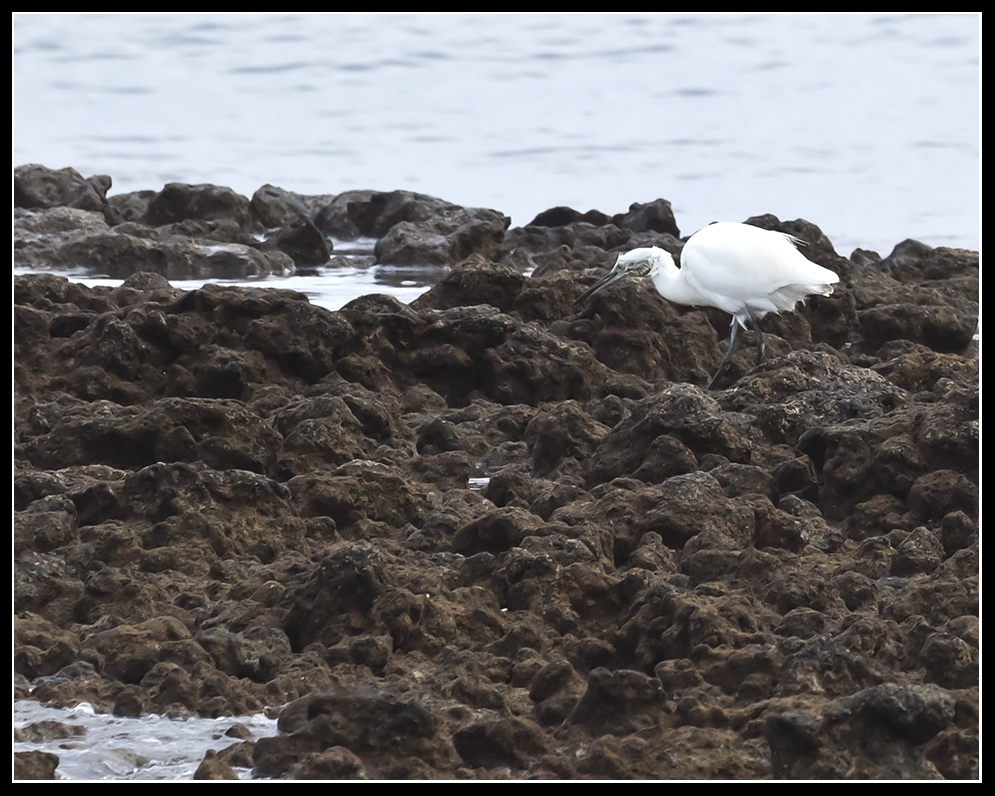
(229, 499)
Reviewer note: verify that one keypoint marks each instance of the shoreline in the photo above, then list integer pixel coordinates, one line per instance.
(230, 499)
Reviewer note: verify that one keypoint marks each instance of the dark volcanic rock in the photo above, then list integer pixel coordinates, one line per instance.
(445, 240)
(179, 202)
(37, 186)
(35, 765)
(488, 744)
(222, 434)
(301, 240)
(650, 217)
(690, 420)
(870, 735)
(618, 702)
(475, 281)
(228, 500)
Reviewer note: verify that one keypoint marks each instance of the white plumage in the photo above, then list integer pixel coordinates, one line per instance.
(740, 269)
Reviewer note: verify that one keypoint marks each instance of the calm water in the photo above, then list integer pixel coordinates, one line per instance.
(867, 125)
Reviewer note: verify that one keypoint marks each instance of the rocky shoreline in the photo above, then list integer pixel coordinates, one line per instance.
(229, 500)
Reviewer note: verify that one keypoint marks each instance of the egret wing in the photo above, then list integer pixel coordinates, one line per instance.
(735, 266)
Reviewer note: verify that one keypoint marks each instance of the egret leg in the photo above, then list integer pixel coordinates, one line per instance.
(728, 357)
(761, 344)
(760, 335)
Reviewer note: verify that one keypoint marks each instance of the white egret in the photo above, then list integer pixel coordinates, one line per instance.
(737, 268)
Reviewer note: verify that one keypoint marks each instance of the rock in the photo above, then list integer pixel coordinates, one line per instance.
(449, 237)
(37, 186)
(35, 765)
(617, 702)
(178, 202)
(474, 281)
(566, 431)
(302, 242)
(495, 532)
(891, 720)
(274, 207)
(212, 767)
(43, 731)
(511, 741)
(230, 500)
(690, 418)
(561, 216)
(335, 763)
(653, 216)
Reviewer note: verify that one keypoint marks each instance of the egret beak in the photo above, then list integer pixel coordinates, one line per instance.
(625, 265)
(608, 279)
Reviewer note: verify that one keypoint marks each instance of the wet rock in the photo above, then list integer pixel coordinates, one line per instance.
(274, 756)
(221, 434)
(302, 242)
(539, 239)
(318, 432)
(362, 492)
(35, 765)
(214, 768)
(335, 763)
(130, 651)
(634, 330)
(920, 552)
(228, 499)
(43, 731)
(46, 524)
(951, 661)
(371, 214)
(337, 597)
(42, 647)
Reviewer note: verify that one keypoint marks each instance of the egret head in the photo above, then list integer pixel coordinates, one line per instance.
(638, 262)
